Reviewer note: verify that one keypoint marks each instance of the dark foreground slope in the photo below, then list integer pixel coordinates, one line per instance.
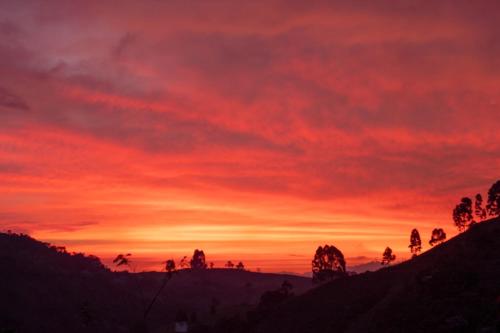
(44, 289)
(452, 288)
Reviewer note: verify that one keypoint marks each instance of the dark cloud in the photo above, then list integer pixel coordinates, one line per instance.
(10, 100)
(9, 168)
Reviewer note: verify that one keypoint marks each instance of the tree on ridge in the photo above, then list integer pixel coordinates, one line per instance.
(493, 205)
(328, 263)
(438, 236)
(479, 210)
(415, 243)
(388, 256)
(198, 260)
(462, 214)
(169, 272)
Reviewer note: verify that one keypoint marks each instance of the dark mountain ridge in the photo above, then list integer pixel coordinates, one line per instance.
(454, 287)
(45, 289)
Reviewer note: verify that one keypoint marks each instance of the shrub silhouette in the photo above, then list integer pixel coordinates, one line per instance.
(272, 298)
(388, 256)
(229, 264)
(415, 243)
(438, 236)
(328, 263)
(240, 266)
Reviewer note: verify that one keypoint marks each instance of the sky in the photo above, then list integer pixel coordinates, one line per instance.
(254, 130)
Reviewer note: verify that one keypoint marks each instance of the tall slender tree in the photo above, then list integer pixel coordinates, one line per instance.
(493, 205)
(479, 210)
(124, 260)
(415, 243)
(169, 272)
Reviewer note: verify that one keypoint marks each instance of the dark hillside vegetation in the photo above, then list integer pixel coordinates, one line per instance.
(454, 287)
(45, 289)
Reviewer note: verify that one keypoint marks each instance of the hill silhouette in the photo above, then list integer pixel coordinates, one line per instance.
(454, 287)
(45, 289)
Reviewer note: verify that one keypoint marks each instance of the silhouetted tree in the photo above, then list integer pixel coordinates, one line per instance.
(493, 205)
(438, 236)
(388, 256)
(328, 263)
(240, 266)
(198, 260)
(184, 262)
(479, 210)
(211, 265)
(229, 264)
(169, 272)
(462, 214)
(415, 243)
(122, 260)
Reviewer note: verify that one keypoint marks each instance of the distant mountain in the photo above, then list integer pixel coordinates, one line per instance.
(366, 267)
(454, 287)
(45, 289)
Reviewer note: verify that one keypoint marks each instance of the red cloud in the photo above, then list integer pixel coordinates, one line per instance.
(234, 125)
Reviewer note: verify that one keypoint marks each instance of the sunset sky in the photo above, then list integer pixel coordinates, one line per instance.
(254, 130)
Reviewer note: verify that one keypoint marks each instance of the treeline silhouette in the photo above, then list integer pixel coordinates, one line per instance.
(467, 214)
(44, 288)
(196, 263)
(453, 288)
(329, 262)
